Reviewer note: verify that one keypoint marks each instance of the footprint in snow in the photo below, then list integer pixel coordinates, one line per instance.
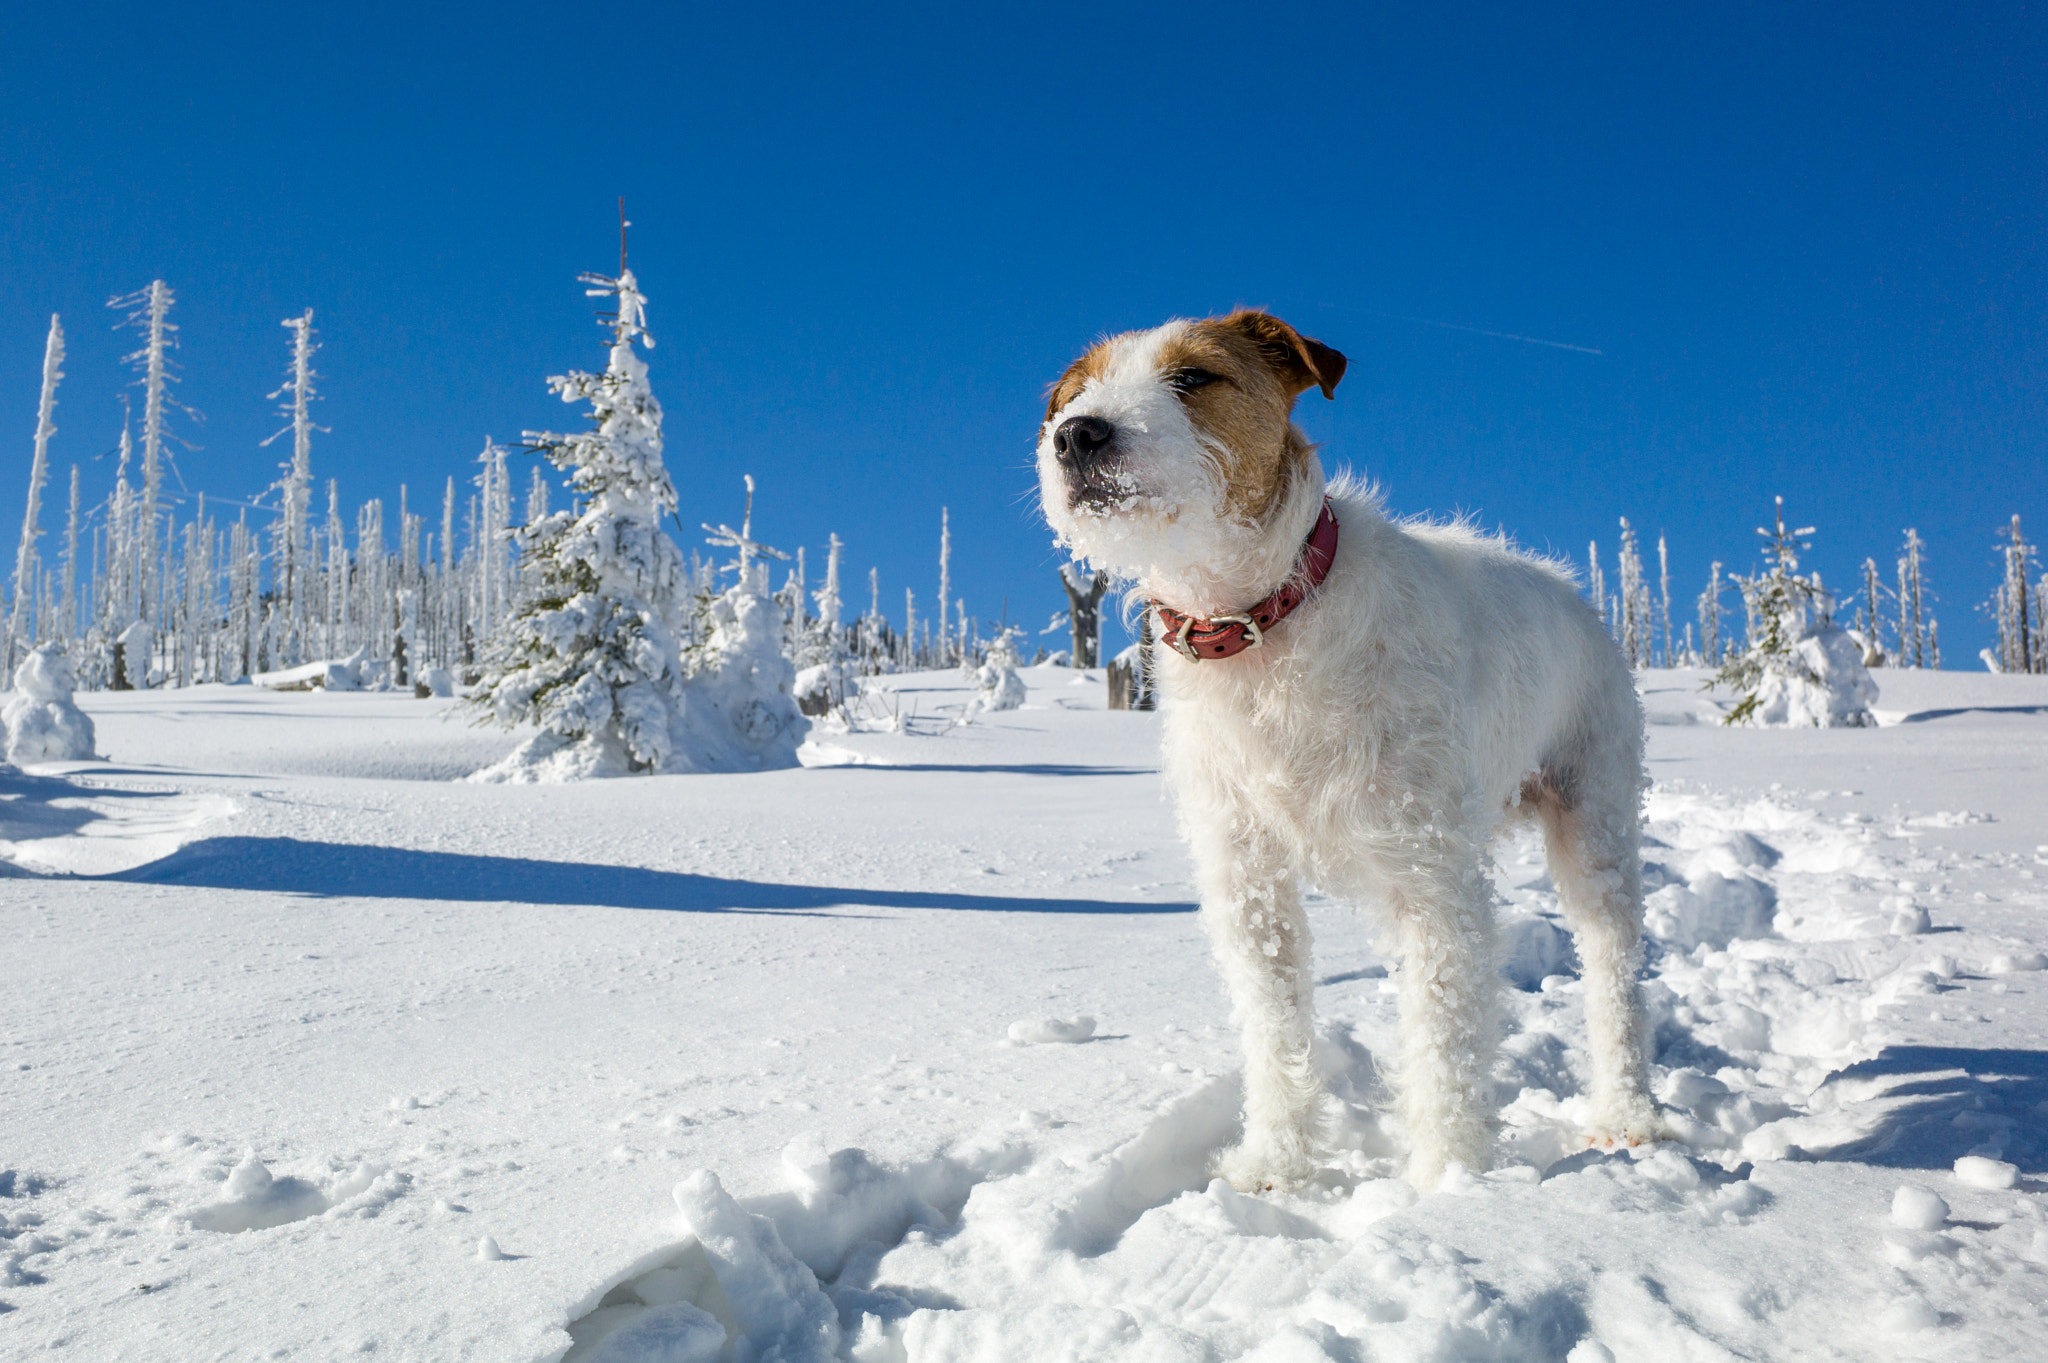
(255, 1199)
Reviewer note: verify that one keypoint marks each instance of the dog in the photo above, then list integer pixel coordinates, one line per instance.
(1363, 704)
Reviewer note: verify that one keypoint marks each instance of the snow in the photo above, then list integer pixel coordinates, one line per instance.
(1052, 1031)
(1980, 1172)
(43, 725)
(1917, 1208)
(310, 1049)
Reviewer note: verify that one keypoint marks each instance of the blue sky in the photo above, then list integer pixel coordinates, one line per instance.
(1808, 243)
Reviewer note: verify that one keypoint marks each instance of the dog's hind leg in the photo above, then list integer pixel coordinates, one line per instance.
(1593, 837)
(1443, 920)
(1251, 907)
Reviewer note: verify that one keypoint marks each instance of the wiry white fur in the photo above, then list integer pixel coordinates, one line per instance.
(1374, 745)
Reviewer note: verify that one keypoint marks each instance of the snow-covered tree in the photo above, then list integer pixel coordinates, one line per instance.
(2016, 609)
(1596, 581)
(1085, 588)
(67, 607)
(1710, 618)
(20, 623)
(997, 685)
(590, 655)
(1664, 587)
(291, 573)
(945, 578)
(828, 602)
(1633, 601)
(1914, 650)
(738, 711)
(1797, 668)
(149, 313)
(1869, 627)
(826, 670)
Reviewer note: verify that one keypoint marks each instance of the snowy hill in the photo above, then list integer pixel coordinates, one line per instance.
(308, 1050)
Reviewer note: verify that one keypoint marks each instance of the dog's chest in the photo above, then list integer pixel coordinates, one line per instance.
(1280, 740)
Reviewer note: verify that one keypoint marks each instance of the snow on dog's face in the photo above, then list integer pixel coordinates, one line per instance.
(1170, 449)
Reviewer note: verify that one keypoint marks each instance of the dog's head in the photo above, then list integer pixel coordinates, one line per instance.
(1172, 450)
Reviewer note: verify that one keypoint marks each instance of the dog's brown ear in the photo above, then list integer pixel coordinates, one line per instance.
(1301, 362)
(1067, 386)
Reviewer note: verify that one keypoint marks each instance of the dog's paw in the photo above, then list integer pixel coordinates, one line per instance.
(1638, 1123)
(1261, 1169)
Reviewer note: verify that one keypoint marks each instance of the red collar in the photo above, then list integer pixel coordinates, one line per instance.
(1225, 636)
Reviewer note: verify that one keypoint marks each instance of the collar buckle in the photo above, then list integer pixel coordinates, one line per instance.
(1253, 635)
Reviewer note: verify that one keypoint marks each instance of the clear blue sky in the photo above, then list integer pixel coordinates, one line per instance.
(1808, 242)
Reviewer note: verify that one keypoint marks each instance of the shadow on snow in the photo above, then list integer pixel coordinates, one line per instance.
(1924, 716)
(1947, 1101)
(348, 870)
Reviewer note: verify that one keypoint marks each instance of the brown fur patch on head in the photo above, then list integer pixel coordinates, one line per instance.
(1068, 386)
(1260, 365)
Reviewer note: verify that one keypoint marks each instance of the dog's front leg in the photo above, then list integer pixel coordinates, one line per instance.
(1252, 909)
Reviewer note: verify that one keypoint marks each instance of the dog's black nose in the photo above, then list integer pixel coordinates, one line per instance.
(1080, 439)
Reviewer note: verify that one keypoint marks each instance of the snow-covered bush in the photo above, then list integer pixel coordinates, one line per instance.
(997, 685)
(738, 712)
(43, 725)
(590, 654)
(1798, 669)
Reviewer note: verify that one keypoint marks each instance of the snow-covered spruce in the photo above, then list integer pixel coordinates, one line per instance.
(590, 656)
(738, 710)
(997, 685)
(1798, 668)
(43, 725)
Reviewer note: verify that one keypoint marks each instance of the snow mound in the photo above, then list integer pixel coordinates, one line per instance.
(328, 674)
(1051, 1031)
(548, 758)
(774, 1295)
(1976, 1171)
(43, 723)
(1710, 909)
(1916, 1208)
(254, 1199)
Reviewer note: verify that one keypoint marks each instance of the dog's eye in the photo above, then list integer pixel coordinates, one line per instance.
(1187, 380)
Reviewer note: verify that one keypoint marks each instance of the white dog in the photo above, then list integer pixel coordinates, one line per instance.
(1360, 703)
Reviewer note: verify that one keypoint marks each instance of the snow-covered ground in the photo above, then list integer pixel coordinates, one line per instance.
(307, 1051)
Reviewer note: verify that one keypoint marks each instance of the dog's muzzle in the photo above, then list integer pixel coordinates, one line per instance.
(1086, 449)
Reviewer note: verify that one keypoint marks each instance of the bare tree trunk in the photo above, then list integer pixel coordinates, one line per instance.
(1084, 609)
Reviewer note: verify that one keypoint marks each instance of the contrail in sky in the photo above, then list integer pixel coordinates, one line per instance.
(1482, 331)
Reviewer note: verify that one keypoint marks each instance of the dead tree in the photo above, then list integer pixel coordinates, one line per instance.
(1084, 609)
